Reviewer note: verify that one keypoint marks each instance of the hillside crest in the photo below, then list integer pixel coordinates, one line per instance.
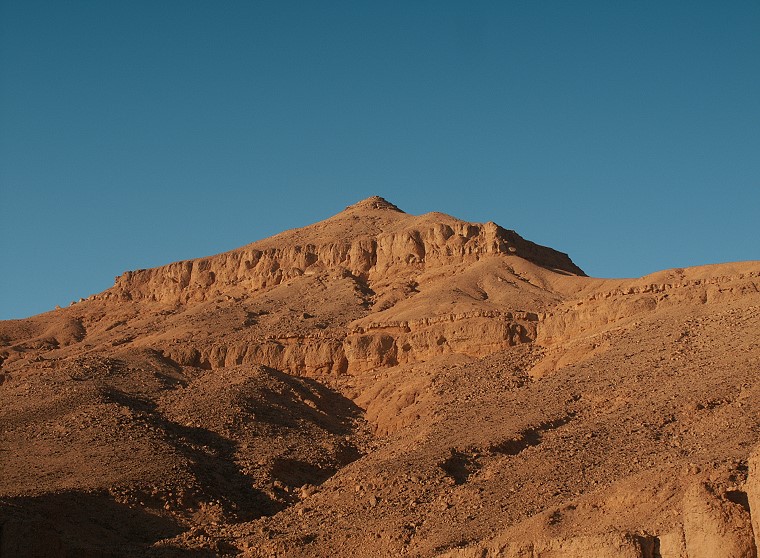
(370, 239)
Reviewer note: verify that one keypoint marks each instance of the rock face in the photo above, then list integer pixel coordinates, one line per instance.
(384, 384)
(374, 346)
(753, 493)
(712, 521)
(399, 243)
(714, 526)
(474, 334)
(387, 243)
(609, 545)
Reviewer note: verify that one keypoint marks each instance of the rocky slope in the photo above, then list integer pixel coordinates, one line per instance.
(383, 384)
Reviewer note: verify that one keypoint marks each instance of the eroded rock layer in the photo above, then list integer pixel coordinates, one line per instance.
(398, 244)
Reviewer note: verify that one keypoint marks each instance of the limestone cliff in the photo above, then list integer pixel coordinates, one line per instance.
(386, 241)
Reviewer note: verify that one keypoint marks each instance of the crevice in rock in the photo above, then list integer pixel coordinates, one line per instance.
(738, 497)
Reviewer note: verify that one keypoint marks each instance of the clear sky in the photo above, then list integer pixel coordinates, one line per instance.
(137, 133)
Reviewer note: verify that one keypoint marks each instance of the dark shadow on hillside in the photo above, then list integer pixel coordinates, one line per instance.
(75, 523)
(333, 412)
(211, 459)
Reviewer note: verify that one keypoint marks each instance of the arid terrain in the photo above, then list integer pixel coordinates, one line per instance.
(383, 384)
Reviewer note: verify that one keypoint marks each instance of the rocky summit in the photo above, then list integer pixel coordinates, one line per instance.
(385, 384)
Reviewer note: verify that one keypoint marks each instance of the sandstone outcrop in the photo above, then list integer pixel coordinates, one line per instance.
(608, 545)
(715, 526)
(711, 518)
(753, 493)
(432, 240)
(372, 346)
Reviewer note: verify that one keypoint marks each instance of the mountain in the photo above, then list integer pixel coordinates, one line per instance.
(384, 384)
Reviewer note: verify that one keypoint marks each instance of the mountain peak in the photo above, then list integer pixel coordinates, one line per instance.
(374, 203)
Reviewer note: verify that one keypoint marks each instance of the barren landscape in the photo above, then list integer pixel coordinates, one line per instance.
(385, 384)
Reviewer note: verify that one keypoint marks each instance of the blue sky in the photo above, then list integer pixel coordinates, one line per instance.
(137, 133)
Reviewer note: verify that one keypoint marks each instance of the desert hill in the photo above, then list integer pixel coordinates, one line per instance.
(384, 384)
